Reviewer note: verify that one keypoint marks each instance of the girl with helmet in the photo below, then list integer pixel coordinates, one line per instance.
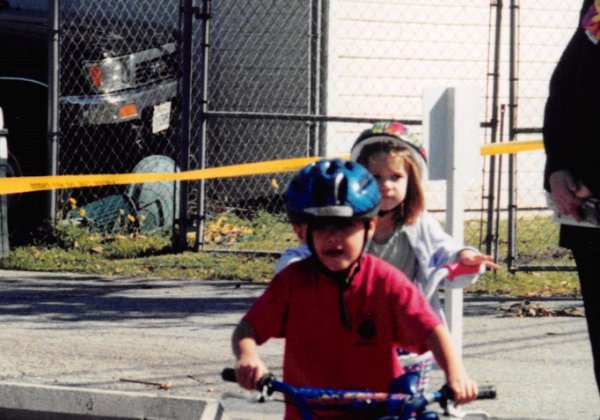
(343, 312)
(406, 235)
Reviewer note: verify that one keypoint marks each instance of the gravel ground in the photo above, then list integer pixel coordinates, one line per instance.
(108, 332)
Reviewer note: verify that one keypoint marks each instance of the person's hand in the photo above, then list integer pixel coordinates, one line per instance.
(464, 388)
(567, 194)
(471, 257)
(249, 370)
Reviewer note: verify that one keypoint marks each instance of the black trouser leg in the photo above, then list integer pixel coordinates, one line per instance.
(588, 267)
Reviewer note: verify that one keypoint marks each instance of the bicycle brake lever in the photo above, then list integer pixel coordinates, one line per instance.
(447, 394)
(264, 387)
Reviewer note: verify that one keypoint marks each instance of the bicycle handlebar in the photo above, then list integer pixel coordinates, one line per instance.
(486, 392)
(450, 272)
(228, 375)
(456, 269)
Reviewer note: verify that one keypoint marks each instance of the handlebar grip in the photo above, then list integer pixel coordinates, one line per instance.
(228, 375)
(486, 392)
(456, 269)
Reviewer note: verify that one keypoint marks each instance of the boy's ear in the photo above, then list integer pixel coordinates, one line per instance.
(300, 231)
(371, 228)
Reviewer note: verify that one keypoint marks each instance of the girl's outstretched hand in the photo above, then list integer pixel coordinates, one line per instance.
(471, 257)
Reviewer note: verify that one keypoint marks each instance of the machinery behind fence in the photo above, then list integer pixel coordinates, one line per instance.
(175, 85)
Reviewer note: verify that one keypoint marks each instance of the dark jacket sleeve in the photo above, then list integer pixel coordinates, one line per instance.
(560, 116)
(566, 108)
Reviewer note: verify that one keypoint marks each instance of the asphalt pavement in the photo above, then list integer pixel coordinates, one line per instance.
(172, 338)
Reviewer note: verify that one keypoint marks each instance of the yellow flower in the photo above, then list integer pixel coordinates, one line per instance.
(275, 184)
(82, 212)
(131, 218)
(73, 203)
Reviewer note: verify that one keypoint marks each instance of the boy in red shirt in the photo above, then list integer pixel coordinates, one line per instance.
(342, 312)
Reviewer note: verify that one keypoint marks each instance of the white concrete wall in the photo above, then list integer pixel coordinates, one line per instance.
(384, 53)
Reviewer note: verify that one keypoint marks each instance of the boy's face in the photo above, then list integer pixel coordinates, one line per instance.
(339, 245)
(392, 178)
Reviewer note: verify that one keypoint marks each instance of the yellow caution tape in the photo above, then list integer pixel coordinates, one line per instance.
(511, 147)
(25, 184)
(42, 183)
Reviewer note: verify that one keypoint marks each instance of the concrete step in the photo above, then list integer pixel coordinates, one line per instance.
(43, 402)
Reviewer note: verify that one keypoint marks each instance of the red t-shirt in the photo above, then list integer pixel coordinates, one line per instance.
(386, 312)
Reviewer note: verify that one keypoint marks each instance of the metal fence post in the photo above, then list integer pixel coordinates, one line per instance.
(4, 248)
(181, 223)
(205, 15)
(53, 110)
(512, 122)
(490, 236)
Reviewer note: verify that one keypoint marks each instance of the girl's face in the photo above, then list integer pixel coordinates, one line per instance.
(339, 246)
(391, 174)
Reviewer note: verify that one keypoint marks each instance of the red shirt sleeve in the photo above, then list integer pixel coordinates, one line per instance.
(267, 315)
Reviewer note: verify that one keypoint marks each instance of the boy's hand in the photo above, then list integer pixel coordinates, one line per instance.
(249, 367)
(470, 257)
(440, 343)
(464, 388)
(249, 370)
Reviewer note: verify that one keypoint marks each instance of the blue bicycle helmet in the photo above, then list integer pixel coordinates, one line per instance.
(332, 188)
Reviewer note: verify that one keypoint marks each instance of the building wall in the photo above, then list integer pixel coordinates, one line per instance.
(384, 53)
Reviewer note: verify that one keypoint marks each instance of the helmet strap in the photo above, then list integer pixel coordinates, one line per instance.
(342, 278)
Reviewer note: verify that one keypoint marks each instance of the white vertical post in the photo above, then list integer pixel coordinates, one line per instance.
(451, 131)
(4, 249)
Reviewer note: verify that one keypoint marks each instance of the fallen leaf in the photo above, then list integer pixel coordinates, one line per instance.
(97, 250)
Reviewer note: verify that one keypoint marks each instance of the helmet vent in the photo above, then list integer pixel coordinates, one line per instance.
(332, 168)
(321, 191)
(340, 188)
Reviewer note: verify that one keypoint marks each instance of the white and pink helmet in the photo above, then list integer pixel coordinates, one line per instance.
(395, 132)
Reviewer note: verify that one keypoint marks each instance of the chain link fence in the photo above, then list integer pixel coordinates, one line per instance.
(118, 107)
(173, 85)
(262, 93)
(539, 34)
(302, 78)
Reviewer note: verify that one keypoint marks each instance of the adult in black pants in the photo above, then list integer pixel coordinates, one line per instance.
(572, 144)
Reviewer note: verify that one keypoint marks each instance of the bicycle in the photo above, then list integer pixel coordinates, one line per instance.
(402, 402)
